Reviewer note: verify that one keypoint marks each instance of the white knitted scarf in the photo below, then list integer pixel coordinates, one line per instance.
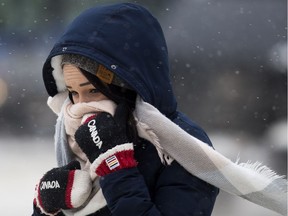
(252, 181)
(70, 117)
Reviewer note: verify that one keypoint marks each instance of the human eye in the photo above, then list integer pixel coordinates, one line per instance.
(73, 93)
(94, 91)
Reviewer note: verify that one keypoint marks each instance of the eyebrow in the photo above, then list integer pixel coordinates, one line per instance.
(81, 84)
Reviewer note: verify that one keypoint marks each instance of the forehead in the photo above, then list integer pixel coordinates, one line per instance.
(73, 75)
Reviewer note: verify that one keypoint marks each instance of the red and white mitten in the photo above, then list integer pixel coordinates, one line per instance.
(104, 139)
(65, 187)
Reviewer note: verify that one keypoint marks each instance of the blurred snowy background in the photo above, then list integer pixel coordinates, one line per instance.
(229, 70)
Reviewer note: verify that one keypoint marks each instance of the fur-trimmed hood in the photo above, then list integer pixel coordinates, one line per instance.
(127, 40)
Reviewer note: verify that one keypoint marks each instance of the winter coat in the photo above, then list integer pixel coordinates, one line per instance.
(129, 41)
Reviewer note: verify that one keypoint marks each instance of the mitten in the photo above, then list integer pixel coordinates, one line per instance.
(66, 187)
(105, 140)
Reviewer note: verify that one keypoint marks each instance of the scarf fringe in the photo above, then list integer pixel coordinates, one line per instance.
(263, 170)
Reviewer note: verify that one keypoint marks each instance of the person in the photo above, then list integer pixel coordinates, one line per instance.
(107, 58)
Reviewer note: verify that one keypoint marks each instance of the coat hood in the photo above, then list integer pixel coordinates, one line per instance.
(126, 39)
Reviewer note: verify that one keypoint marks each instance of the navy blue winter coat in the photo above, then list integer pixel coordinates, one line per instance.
(129, 41)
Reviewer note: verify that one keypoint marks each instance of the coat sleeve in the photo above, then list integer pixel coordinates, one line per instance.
(126, 193)
(176, 193)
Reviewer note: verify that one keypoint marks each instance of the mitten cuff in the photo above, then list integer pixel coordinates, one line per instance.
(117, 158)
(79, 189)
(75, 192)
